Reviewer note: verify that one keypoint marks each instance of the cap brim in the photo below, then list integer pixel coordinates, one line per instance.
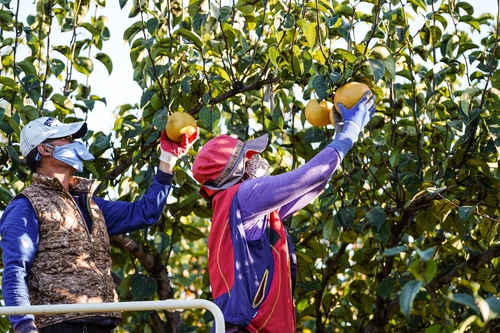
(77, 130)
(257, 145)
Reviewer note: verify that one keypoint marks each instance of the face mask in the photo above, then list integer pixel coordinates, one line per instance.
(256, 167)
(72, 154)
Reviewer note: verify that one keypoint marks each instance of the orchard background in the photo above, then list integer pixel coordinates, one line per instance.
(405, 236)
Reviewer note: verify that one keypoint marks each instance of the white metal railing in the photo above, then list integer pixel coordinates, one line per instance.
(121, 306)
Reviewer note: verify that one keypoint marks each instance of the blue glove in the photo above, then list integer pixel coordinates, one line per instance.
(361, 113)
(354, 120)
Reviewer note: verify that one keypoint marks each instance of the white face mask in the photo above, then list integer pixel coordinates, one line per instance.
(72, 154)
(256, 167)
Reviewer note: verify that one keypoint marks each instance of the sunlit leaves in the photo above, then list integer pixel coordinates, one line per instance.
(190, 36)
(62, 103)
(83, 65)
(64, 50)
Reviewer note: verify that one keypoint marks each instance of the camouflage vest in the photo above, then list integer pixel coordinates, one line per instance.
(71, 265)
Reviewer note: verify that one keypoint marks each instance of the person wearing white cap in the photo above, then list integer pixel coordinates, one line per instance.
(55, 233)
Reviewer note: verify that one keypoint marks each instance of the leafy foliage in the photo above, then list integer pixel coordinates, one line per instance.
(405, 236)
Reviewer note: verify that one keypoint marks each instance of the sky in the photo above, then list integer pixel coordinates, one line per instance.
(119, 87)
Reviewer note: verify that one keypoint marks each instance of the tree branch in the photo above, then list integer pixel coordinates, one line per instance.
(153, 265)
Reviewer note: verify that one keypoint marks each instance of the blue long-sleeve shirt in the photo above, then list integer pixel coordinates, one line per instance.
(19, 237)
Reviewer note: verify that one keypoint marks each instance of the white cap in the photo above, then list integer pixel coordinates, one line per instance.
(41, 129)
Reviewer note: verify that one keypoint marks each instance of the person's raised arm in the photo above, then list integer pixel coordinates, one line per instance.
(147, 210)
(291, 191)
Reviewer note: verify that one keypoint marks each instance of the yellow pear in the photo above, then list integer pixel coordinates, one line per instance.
(318, 113)
(350, 94)
(179, 123)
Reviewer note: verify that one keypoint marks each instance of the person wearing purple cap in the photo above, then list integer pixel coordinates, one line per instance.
(251, 261)
(55, 233)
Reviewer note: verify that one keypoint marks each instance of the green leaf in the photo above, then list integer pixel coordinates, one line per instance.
(161, 242)
(349, 236)
(160, 119)
(277, 114)
(7, 81)
(90, 28)
(344, 10)
(472, 21)
(106, 61)
(191, 233)
(376, 217)
(14, 157)
(386, 287)
(408, 294)
(62, 103)
(320, 84)
(469, 9)
(310, 285)
(465, 212)
(125, 286)
(32, 85)
(57, 66)
(64, 50)
(430, 270)
(431, 35)
(465, 101)
(419, 4)
(131, 31)
(348, 56)
(143, 287)
(311, 34)
(426, 254)
(222, 73)
(194, 7)
(190, 36)
(494, 303)
(28, 68)
(395, 250)
(100, 144)
(467, 300)
(6, 22)
(273, 55)
(5, 198)
(288, 22)
(210, 117)
(488, 229)
(383, 53)
(378, 68)
(330, 231)
(437, 328)
(83, 65)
